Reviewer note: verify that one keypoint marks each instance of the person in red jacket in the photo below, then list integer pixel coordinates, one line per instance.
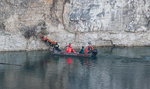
(89, 48)
(69, 49)
(70, 45)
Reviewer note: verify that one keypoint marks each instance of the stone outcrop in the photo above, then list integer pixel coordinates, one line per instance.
(103, 22)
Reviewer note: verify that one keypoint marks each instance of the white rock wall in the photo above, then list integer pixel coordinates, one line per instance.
(103, 22)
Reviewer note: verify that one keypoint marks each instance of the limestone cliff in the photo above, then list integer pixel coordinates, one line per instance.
(103, 22)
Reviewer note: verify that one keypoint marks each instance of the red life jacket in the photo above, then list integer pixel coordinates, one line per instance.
(88, 48)
(68, 50)
(73, 51)
(91, 47)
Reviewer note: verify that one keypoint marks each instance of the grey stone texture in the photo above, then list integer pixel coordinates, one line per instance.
(103, 22)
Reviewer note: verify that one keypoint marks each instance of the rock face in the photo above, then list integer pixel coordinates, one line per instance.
(103, 22)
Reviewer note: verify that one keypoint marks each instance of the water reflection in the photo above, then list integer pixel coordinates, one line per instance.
(110, 70)
(69, 60)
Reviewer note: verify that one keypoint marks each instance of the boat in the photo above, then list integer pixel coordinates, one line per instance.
(89, 55)
(51, 43)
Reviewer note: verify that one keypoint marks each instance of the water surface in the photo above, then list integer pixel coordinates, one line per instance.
(114, 68)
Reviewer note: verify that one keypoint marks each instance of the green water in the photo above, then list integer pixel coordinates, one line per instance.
(114, 68)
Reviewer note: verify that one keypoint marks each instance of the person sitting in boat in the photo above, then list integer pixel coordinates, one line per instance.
(89, 48)
(56, 47)
(69, 49)
(82, 50)
(70, 45)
